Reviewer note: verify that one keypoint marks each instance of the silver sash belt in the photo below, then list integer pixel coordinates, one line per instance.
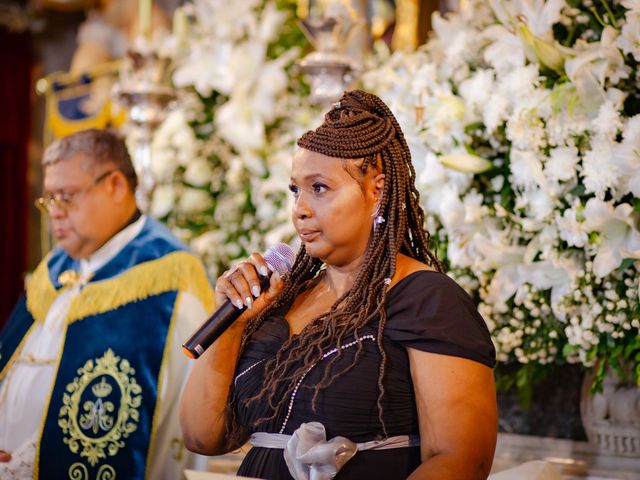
(310, 456)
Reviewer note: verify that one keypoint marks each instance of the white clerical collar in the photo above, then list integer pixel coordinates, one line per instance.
(110, 249)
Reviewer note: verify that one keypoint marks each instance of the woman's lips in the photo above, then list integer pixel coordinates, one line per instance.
(308, 235)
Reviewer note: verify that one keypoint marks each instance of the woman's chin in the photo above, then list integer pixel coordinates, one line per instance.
(314, 250)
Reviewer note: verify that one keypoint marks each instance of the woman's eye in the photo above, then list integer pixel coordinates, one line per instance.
(293, 189)
(319, 188)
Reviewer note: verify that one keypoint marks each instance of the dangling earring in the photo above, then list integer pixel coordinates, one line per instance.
(379, 219)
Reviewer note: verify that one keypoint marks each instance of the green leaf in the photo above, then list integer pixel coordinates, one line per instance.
(627, 263)
(578, 190)
(568, 349)
(472, 127)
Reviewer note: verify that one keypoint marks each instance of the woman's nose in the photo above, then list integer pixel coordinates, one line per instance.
(301, 208)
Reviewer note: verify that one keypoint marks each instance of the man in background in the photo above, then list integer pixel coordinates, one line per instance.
(90, 362)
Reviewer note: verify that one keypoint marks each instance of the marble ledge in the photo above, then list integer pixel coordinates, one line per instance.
(573, 460)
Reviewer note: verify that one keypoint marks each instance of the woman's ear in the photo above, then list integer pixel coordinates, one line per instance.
(378, 184)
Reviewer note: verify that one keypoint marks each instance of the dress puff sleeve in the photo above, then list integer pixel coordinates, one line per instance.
(429, 311)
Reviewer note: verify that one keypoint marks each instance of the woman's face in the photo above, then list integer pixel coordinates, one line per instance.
(331, 210)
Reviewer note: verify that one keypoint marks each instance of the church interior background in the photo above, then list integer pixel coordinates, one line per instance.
(523, 118)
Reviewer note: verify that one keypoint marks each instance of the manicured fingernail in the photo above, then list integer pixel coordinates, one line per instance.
(263, 271)
(277, 276)
(238, 303)
(248, 302)
(255, 290)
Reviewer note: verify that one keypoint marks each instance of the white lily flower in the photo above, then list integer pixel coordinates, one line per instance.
(435, 181)
(626, 158)
(462, 219)
(239, 124)
(552, 275)
(208, 243)
(206, 68)
(617, 234)
(506, 260)
(270, 22)
(191, 200)
(540, 15)
(629, 39)
(505, 51)
(633, 5)
(198, 172)
(593, 64)
(162, 201)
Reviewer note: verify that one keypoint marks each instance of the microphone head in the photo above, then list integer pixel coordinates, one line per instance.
(280, 258)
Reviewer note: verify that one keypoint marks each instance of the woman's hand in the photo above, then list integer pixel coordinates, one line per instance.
(241, 285)
(204, 401)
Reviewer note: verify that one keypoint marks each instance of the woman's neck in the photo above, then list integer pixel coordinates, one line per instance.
(339, 279)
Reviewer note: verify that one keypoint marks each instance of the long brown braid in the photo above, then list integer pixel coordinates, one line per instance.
(359, 127)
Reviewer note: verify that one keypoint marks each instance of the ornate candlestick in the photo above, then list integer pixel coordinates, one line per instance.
(145, 90)
(330, 69)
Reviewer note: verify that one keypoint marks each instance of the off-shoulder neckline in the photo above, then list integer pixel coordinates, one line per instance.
(405, 280)
(396, 287)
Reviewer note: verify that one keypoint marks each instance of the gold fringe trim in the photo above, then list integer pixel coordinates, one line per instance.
(40, 292)
(176, 271)
(179, 270)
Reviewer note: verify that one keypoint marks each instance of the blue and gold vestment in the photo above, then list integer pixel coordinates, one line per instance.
(102, 411)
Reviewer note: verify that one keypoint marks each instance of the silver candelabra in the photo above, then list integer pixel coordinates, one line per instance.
(144, 88)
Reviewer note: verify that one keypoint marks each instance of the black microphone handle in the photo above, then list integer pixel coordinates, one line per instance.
(216, 325)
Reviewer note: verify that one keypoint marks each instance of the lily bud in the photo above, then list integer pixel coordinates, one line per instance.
(536, 49)
(465, 162)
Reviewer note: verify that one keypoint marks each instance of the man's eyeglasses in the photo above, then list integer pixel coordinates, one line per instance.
(66, 201)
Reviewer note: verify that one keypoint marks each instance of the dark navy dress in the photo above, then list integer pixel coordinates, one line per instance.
(427, 311)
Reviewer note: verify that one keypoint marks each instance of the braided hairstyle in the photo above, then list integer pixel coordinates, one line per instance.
(359, 127)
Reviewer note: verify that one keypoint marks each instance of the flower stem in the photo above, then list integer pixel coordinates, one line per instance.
(612, 17)
(598, 17)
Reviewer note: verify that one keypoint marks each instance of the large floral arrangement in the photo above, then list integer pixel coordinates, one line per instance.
(222, 157)
(524, 122)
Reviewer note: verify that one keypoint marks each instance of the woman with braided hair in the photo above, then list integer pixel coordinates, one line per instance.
(365, 361)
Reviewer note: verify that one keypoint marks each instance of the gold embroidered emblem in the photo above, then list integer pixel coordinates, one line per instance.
(78, 471)
(68, 278)
(100, 408)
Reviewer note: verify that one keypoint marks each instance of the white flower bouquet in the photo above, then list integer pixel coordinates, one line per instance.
(221, 159)
(524, 122)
